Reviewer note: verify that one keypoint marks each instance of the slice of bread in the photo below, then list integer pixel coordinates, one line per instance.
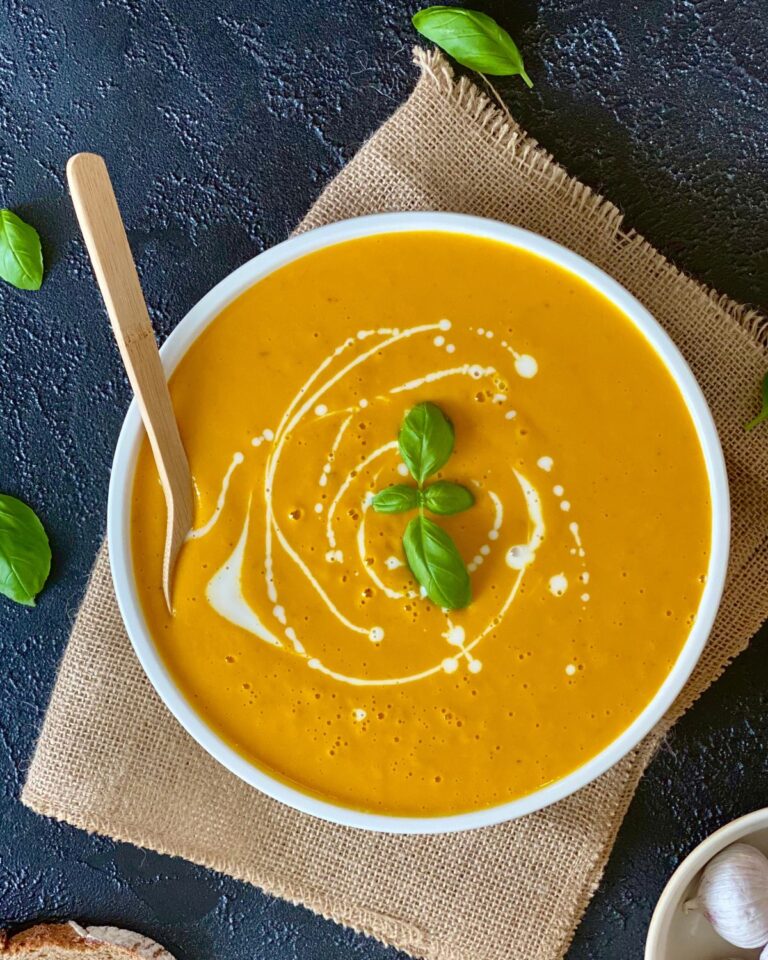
(67, 941)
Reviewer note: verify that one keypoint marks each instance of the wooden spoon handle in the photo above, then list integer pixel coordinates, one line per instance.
(104, 235)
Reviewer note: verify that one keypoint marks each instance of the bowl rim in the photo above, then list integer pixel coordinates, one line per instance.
(663, 914)
(195, 321)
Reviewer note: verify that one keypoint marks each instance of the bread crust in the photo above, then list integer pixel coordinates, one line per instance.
(44, 935)
(71, 938)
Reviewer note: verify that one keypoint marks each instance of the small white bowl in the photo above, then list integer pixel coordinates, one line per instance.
(119, 510)
(675, 934)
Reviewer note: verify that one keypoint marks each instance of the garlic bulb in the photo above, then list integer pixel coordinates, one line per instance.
(733, 894)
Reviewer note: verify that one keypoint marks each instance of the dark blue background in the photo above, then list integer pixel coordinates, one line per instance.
(221, 122)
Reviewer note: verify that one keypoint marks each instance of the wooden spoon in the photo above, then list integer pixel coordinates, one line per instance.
(104, 235)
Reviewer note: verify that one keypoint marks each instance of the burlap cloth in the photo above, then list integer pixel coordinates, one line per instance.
(112, 759)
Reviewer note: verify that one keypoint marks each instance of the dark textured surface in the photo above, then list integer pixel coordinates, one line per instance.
(221, 122)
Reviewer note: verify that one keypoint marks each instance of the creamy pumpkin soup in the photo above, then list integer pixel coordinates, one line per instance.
(318, 631)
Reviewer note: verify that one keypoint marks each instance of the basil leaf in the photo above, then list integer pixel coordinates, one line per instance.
(425, 440)
(396, 499)
(472, 38)
(763, 415)
(437, 564)
(25, 554)
(21, 256)
(446, 498)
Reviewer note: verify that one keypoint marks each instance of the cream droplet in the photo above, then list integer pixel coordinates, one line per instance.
(475, 666)
(450, 664)
(359, 714)
(570, 669)
(526, 366)
(558, 584)
(321, 410)
(376, 634)
(402, 469)
(519, 556)
(445, 324)
(545, 463)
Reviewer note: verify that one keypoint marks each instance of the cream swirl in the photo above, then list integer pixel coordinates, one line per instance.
(314, 402)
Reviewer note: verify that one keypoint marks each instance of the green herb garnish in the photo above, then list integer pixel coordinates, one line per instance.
(397, 499)
(472, 38)
(21, 256)
(763, 415)
(426, 441)
(25, 554)
(436, 563)
(447, 498)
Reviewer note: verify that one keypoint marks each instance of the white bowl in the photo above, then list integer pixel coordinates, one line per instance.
(678, 935)
(119, 509)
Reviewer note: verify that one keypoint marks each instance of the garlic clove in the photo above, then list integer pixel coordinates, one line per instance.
(733, 895)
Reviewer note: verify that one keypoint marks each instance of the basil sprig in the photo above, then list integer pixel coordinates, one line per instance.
(472, 38)
(436, 563)
(763, 415)
(447, 498)
(397, 499)
(21, 256)
(426, 441)
(25, 554)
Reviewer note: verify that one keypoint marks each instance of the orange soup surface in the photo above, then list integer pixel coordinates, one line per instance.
(300, 634)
